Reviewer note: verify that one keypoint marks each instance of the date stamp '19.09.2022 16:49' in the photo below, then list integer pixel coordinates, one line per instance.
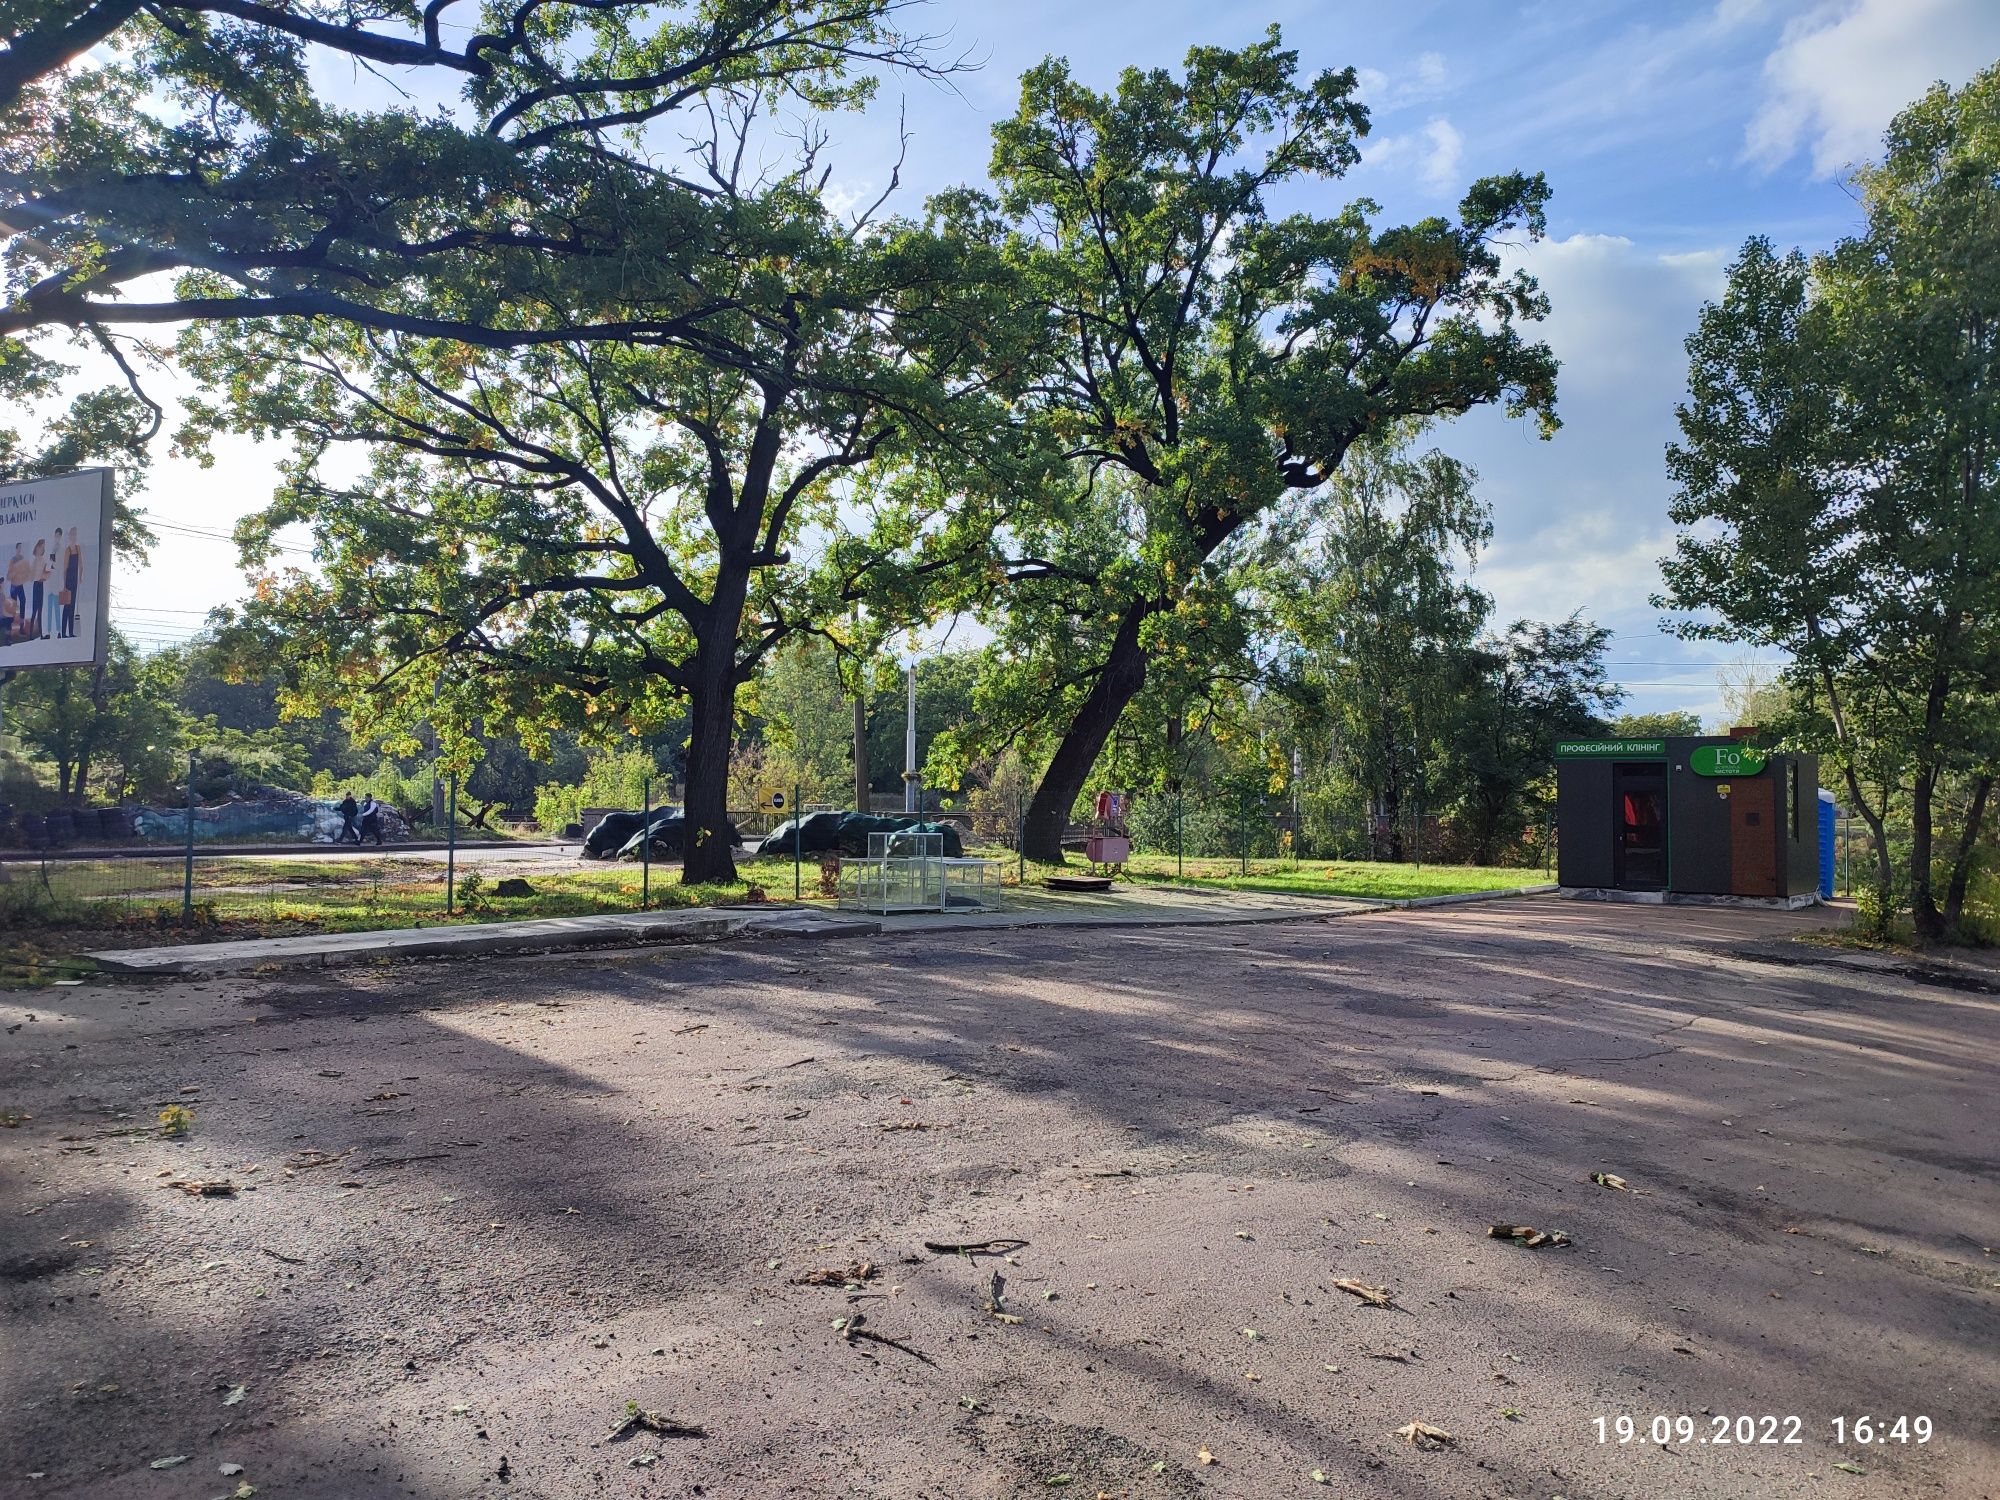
(1713, 1430)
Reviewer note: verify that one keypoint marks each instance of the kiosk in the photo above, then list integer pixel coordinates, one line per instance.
(1700, 819)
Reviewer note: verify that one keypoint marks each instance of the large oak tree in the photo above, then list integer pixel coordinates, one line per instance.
(585, 534)
(1212, 354)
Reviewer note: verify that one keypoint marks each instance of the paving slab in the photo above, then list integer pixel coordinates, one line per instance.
(336, 949)
(1121, 906)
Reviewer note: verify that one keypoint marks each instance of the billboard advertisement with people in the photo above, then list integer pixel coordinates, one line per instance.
(55, 570)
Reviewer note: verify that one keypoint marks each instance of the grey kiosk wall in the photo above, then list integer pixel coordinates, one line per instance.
(1697, 818)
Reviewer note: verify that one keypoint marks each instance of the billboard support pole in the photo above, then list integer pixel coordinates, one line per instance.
(187, 860)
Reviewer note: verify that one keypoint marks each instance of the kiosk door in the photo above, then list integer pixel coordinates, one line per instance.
(1753, 836)
(1639, 818)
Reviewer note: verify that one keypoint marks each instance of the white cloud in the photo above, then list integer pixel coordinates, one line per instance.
(1580, 522)
(1429, 78)
(1839, 74)
(1431, 154)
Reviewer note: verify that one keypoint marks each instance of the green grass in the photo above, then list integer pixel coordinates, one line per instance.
(1385, 882)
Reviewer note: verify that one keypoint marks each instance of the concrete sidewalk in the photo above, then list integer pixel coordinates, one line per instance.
(1122, 906)
(473, 939)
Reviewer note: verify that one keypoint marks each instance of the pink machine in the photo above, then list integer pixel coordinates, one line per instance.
(1108, 843)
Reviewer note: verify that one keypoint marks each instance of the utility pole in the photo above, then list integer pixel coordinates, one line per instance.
(861, 748)
(437, 784)
(910, 791)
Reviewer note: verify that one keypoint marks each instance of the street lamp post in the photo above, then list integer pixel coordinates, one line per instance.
(910, 791)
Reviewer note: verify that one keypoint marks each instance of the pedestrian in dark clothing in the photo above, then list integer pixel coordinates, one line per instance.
(371, 821)
(348, 832)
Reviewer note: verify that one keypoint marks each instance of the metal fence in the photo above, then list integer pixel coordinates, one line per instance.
(117, 895)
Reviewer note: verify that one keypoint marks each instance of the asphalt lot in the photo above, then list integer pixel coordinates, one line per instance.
(480, 1207)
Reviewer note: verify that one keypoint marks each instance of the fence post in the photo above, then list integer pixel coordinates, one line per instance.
(1021, 839)
(451, 847)
(798, 847)
(646, 844)
(187, 864)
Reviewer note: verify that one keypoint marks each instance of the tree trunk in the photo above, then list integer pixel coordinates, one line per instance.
(1968, 843)
(1885, 872)
(1123, 675)
(706, 854)
(861, 789)
(1392, 818)
(1924, 913)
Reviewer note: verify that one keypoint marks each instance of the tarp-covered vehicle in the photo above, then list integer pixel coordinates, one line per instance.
(622, 835)
(847, 832)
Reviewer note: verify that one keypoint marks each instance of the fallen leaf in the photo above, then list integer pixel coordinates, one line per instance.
(168, 1463)
(196, 1187)
(1374, 1296)
(1528, 1235)
(853, 1273)
(637, 1419)
(1319, 1477)
(1203, 1457)
(1610, 1180)
(1424, 1435)
(230, 1471)
(1848, 1468)
(236, 1394)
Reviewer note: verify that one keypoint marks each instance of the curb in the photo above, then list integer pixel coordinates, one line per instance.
(1462, 898)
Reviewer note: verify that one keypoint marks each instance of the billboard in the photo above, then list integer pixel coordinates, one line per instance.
(55, 570)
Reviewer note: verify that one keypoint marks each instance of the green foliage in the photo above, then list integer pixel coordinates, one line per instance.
(471, 893)
(1839, 487)
(1534, 685)
(1207, 359)
(112, 729)
(611, 778)
(1654, 726)
(1378, 656)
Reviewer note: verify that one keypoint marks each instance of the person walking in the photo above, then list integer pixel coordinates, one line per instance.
(349, 834)
(371, 820)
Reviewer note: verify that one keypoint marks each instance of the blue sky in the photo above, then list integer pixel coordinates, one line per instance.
(1668, 132)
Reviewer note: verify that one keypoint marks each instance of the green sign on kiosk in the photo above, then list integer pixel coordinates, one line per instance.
(1611, 749)
(1726, 760)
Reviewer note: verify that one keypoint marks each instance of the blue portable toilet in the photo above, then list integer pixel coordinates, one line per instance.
(1826, 818)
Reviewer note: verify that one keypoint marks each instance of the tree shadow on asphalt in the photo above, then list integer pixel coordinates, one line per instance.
(1372, 1040)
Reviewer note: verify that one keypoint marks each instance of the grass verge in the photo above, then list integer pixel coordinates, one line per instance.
(1382, 882)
